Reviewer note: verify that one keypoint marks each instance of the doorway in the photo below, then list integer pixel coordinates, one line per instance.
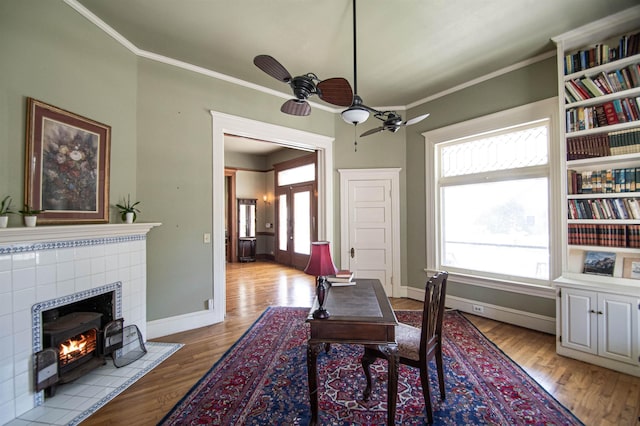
(225, 123)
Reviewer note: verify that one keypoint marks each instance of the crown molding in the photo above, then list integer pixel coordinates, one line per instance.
(213, 74)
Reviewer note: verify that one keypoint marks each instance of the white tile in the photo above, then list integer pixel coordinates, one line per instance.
(123, 260)
(5, 262)
(6, 301)
(46, 292)
(23, 403)
(23, 278)
(24, 299)
(21, 384)
(5, 282)
(24, 260)
(64, 288)
(6, 388)
(22, 361)
(83, 283)
(65, 420)
(52, 415)
(83, 253)
(6, 346)
(22, 321)
(34, 414)
(46, 274)
(46, 257)
(98, 250)
(15, 422)
(65, 255)
(82, 268)
(98, 265)
(65, 271)
(111, 262)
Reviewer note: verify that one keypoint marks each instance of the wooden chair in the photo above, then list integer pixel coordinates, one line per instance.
(416, 346)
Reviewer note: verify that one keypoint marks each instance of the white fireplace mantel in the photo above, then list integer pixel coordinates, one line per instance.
(21, 235)
(57, 264)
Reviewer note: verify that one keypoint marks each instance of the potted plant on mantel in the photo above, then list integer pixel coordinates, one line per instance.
(5, 211)
(128, 210)
(29, 214)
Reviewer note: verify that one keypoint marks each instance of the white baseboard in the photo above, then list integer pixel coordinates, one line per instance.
(499, 313)
(179, 323)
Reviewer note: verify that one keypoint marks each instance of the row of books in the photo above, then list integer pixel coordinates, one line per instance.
(603, 181)
(612, 112)
(603, 144)
(604, 235)
(604, 208)
(628, 45)
(604, 83)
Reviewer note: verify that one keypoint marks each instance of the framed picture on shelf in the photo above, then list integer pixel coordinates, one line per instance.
(599, 263)
(66, 165)
(631, 268)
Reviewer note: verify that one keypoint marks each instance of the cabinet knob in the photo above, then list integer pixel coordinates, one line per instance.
(591, 311)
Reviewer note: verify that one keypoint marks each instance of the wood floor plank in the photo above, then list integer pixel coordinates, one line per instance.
(596, 395)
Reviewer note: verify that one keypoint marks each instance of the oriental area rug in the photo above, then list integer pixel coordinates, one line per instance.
(262, 380)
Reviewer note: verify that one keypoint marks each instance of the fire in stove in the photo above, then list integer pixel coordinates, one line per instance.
(77, 347)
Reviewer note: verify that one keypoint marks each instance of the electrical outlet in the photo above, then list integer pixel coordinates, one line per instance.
(478, 309)
(207, 238)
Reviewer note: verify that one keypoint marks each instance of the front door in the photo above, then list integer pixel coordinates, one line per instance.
(295, 226)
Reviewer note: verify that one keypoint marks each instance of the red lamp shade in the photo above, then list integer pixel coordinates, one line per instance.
(320, 263)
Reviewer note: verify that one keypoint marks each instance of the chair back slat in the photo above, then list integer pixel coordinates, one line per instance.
(433, 312)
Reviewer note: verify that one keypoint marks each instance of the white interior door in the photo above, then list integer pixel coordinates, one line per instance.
(370, 227)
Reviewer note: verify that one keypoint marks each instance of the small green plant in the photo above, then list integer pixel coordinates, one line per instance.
(128, 207)
(27, 210)
(5, 206)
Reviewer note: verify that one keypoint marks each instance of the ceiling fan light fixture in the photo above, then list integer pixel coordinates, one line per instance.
(355, 115)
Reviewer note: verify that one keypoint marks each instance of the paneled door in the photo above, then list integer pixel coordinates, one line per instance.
(370, 225)
(295, 225)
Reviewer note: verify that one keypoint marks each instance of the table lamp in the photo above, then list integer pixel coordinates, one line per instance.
(320, 265)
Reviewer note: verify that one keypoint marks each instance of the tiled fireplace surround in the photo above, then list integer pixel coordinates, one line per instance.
(53, 263)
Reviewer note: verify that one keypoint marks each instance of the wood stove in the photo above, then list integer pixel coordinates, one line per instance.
(75, 343)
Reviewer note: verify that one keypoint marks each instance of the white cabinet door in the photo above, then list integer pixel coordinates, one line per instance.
(579, 321)
(618, 327)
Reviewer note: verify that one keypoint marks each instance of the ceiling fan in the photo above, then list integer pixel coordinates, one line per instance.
(336, 91)
(358, 112)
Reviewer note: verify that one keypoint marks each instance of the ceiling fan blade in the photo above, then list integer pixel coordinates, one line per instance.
(296, 107)
(272, 67)
(336, 91)
(417, 119)
(372, 131)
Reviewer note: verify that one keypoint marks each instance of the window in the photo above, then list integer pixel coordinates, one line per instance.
(492, 195)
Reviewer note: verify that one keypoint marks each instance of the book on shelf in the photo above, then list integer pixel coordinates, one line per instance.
(604, 208)
(603, 144)
(615, 111)
(601, 53)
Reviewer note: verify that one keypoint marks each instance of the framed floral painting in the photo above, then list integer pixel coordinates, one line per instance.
(67, 165)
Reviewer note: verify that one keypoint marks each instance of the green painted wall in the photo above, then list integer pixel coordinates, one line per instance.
(523, 86)
(52, 54)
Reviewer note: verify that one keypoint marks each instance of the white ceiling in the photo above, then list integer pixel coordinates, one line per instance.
(408, 50)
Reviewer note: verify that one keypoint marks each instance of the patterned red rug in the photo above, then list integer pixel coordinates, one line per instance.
(262, 380)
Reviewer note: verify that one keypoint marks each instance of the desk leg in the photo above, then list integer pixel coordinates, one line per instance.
(312, 370)
(391, 351)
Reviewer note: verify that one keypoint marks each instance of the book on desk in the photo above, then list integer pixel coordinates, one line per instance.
(341, 278)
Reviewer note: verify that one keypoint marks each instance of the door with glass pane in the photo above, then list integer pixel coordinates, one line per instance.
(295, 225)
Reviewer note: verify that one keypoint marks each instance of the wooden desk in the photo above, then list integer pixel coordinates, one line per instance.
(360, 314)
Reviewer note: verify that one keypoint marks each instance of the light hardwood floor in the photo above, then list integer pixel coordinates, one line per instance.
(596, 395)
